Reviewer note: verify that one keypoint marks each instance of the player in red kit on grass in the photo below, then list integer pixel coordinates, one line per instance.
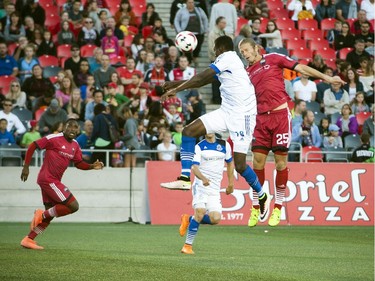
(60, 149)
(273, 122)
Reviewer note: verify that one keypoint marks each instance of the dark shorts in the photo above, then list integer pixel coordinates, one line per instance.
(54, 192)
(273, 131)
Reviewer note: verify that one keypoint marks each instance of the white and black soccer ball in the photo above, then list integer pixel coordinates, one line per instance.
(186, 41)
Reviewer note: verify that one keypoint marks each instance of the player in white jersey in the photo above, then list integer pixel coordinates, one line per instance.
(210, 157)
(237, 115)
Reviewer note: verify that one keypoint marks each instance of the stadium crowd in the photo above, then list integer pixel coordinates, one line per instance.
(103, 62)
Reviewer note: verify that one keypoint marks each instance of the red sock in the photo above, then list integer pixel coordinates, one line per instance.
(281, 181)
(59, 210)
(39, 228)
(261, 176)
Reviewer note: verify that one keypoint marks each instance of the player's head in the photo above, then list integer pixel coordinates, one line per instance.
(223, 44)
(71, 129)
(249, 50)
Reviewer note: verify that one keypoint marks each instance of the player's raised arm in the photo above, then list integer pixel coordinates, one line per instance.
(304, 69)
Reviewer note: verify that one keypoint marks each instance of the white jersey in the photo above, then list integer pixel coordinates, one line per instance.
(210, 157)
(237, 92)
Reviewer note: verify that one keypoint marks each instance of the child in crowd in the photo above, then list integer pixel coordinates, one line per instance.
(177, 135)
(5, 136)
(323, 127)
(110, 43)
(65, 36)
(32, 135)
(173, 116)
(88, 89)
(47, 47)
(113, 97)
(27, 62)
(158, 26)
(358, 104)
(124, 26)
(333, 139)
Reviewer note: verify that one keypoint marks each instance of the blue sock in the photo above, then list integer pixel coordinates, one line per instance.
(252, 180)
(192, 231)
(206, 219)
(187, 154)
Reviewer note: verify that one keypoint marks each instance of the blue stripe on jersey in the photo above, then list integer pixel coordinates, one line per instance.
(205, 145)
(196, 163)
(229, 160)
(214, 67)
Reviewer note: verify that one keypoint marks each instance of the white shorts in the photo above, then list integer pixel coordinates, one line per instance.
(239, 125)
(206, 198)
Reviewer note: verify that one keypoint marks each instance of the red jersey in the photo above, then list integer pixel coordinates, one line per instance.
(59, 153)
(267, 77)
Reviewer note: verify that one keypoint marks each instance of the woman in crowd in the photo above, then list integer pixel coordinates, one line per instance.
(347, 122)
(14, 29)
(345, 39)
(354, 85)
(76, 107)
(272, 35)
(125, 10)
(65, 92)
(15, 94)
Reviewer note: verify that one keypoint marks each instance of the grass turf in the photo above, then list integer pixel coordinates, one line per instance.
(144, 252)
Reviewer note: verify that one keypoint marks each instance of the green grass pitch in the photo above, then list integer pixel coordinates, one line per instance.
(83, 251)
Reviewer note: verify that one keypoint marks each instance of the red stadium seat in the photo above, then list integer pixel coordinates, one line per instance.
(88, 50)
(344, 52)
(311, 34)
(362, 117)
(295, 43)
(290, 33)
(147, 31)
(327, 53)
(312, 154)
(128, 40)
(63, 51)
(47, 60)
(304, 61)
(62, 61)
(279, 13)
(331, 63)
(51, 20)
(5, 83)
(240, 22)
(113, 8)
(53, 79)
(121, 70)
(51, 10)
(291, 105)
(11, 48)
(351, 21)
(327, 24)
(307, 24)
(274, 4)
(317, 44)
(39, 113)
(284, 23)
(133, 30)
(139, 8)
(263, 24)
(118, 60)
(301, 53)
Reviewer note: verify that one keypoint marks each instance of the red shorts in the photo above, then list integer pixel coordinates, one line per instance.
(54, 192)
(273, 131)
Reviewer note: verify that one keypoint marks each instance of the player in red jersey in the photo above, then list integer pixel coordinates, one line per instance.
(273, 122)
(58, 200)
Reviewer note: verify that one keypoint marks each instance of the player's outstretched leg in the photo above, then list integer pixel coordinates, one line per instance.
(185, 220)
(281, 182)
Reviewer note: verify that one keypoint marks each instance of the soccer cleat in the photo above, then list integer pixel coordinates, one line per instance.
(184, 224)
(275, 217)
(264, 206)
(187, 249)
(37, 219)
(254, 217)
(30, 244)
(182, 183)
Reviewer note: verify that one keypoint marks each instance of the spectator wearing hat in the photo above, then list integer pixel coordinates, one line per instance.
(364, 153)
(32, 135)
(50, 117)
(113, 97)
(5, 136)
(195, 106)
(145, 99)
(333, 139)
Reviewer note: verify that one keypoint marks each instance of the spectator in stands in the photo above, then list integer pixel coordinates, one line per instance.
(364, 153)
(149, 44)
(305, 89)
(27, 62)
(50, 117)
(8, 65)
(148, 63)
(173, 116)
(35, 11)
(64, 16)
(126, 10)
(88, 89)
(57, 127)
(356, 26)
(162, 43)
(30, 27)
(14, 29)
(367, 37)
(354, 85)
(38, 37)
(215, 32)
(157, 75)
(344, 39)
(36, 85)
(130, 137)
(358, 104)
(141, 61)
(5, 136)
(302, 9)
(103, 16)
(110, 23)
(85, 141)
(72, 64)
(125, 26)
(245, 32)
(19, 51)
(347, 122)
(324, 10)
(367, 78)
(113, 97)
(183, 71)
(333, 139)
(363, 64)
(137, 46)
(59, 78)
(132, 89)
(126, 76)
(324, 127)
(145, 99)
(76, 14)
(43, 101)
(175, 7)
(171, 59)
(156, 131)
(15, 94)
(359, 51)
(369, 7)
(158, 27)
(307, 133)
(166, 149)
(98, 98)
(103, 74)
(255, 26)
(143, 137)
(334, 99)
(100, 134)
(317, 63)
(333, 33)
(47, 47)
(346, 9)
(94, 10)
(322, 86)
(195, 106)
(9, 9)
(95, 61)
(272, 36)
(148, 17)
(115, 78)
(15, 126)
(177, 134)
(109, 44)
(75, 108)
(299, 107)
(227, 10)
(65, 35)
(198, 24)
(252, 10)
(88, 34)
(84, 71)
(32, 135)
(65, 92)
(368, 126)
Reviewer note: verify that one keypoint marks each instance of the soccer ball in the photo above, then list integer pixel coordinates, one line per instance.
(186, 41)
